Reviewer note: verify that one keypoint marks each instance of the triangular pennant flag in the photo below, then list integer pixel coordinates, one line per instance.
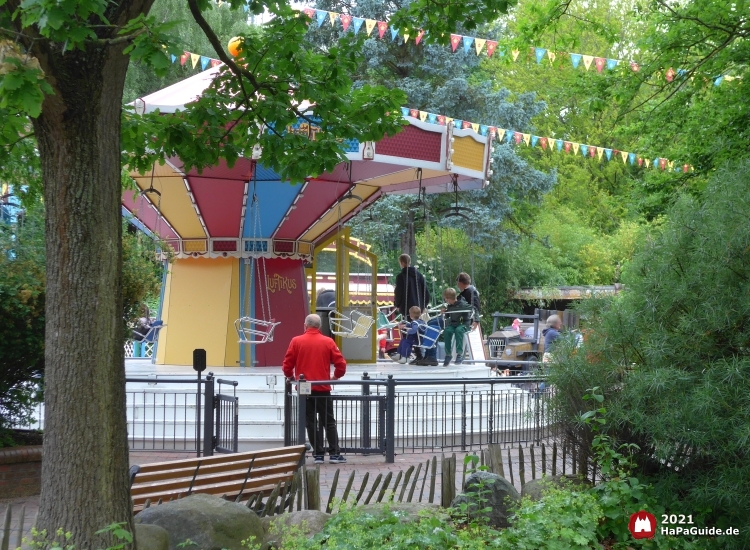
(184, 57)
(174, 58)
(527, 139)
(441, 120)
(246, 8)
(587, 60)
(455, 41)
(332, 15)
(718, 81)
(670, 74)
(448, 120)
(592, 151)
(612, 63)
(608, 152)
(320, 16)
(599, 62)
(647, 163)
(358, 24)
(515, 54)
(458, 123)
(575, 58)
(382, 27)
(483, 130)
(640, 161)
(670, 164)
(685, 168)
(568, 145)
(310, 12)
(518, 136)
(491, 45)
(576, 146)
(662, 163)
(406, 38)
(493, 132)
(432, 118)
(631, 158)
(500, 134)
(624, 155)
(419, 37)
(345, 21)
(414, 113)
(539, 53)
(204, 62)
(543, 141)
(559, 144)
(422, 115)
(551, 55)
(215, 62)
(584, 150)
(635, 67)
(509, 135)
(534, 140)
(479, 44)
(475, 127)
(468, 41)
(369, 25)
(394, 33)
(466, 124)
(600, 152)
(404, 111)
(656, 162)
(194, 57)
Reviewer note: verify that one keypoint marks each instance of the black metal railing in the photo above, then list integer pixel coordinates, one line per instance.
(227, 419)
(392, 416)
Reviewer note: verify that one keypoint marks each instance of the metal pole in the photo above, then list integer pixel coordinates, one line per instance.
(287, 412)
(208, 422)
(390, 430)
(463, 419)
(301, 412)
(366, 435)
(198, 417)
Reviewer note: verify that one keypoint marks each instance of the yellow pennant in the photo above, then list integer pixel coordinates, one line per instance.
(479, 44)
(600, 152)
(448, 120)
(515, 54)
(475, 127)
(551, 55)
(406, 38)
(587, 61)
(576, 147)
(624, 155)
(500, 134)
(647, 163)
(527, 139)
(369, 25)
(333, 16)
(194, 57)
(422, 115)
(671, 164)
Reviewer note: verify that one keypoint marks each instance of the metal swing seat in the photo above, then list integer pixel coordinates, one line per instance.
(255, 331)
(356, 325)
(384, 322)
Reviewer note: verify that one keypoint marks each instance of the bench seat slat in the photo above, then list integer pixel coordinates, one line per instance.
(252, 486)
(219, 459)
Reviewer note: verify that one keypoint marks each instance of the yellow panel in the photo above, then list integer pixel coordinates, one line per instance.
(160, 171)
(161, 348)
(175, 205)
(232, 355)
(332, 217)
(199, 304)
(404, 176)
(194, 246)
(468, 153)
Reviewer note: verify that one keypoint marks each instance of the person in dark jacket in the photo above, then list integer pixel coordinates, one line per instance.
(326, 298)
(469, 293)
(411, 287)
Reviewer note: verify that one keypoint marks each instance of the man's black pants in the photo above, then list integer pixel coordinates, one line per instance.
(319, 417)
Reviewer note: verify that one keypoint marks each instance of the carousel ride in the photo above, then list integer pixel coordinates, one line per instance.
(244, 241)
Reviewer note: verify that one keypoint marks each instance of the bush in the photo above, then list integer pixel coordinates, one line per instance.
(672, 355)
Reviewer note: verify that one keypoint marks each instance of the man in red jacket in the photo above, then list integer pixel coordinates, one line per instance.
(311, 355)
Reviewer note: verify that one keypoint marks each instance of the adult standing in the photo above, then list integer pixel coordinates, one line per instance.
(411, 290)
(311, 355)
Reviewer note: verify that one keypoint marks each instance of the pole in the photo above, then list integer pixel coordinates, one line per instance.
(366, 435)
(301, 412)
(390, 430)
(199, 365)
(208, 417)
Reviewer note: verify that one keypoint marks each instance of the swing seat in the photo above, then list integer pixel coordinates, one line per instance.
(255, 331)
(356, 326)
(153, 332)
(385, 323)
(427, 338)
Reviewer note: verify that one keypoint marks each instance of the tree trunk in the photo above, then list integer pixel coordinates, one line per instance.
(85, 458)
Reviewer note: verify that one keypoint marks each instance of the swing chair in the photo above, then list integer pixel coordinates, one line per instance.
(253, 330)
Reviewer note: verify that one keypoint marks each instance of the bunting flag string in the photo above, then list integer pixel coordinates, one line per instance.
(550, 144)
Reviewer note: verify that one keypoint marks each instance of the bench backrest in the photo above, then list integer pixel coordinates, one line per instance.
(233, 475)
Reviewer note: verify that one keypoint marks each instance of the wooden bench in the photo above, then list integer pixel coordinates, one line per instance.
(238, 476)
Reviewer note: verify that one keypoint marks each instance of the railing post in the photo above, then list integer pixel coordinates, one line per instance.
(208, 416)
(390, 430)
(365, 428)
(287, 412)
(301, 412)
(463, 419)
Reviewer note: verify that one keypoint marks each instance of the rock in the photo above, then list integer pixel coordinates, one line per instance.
(210, 522)
(500, 494)
(536, 487)
(408, 511)
(151, 537)
(307, 522)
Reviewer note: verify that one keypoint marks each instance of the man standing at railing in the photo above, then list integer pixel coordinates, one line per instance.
(311, 355)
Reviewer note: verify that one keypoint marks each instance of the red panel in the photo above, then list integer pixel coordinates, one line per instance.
(220, 203)
(141, 209)
(315, 200)
(289, 305)
(412, 143)
(242, 170)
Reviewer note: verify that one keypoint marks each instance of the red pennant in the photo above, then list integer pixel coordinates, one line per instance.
(491, 46)
(382, 27)
(568, 145)
(599, 62)
(441, 120)
(184, 57)
(685, 168)
(635, 67)
(455, 41)
(346, 20)
(419, 37)
(215, 62)
(640, 161)
(543, 141)
(467, 124)
(309, 12)
(615, 152)
(662, 163)
(493, 132)
(670, 74)
(592, 151)
(414, 113)
(518, 136)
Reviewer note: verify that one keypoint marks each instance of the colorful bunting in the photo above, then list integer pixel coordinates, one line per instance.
(539, 53)
(559, 144)
(575, 58)
(584, 150)
(358, 24)
(422, 116)
(419, 37)
(345, 21)
(204, 62)
(394, 33)
(184, 57)
(576, 146)
(491, 46)
(215, 62)
(612, 63)
(468, 41)
(515, 54)
(479, 44)
(587, 60)
(333, 16)
(551, 55)
(382, 27)
(534, 140)
(544, 143)
(624, 155)
(320, 16)
(369, 25)
(455, 41)
(599, 62)
(194, 57)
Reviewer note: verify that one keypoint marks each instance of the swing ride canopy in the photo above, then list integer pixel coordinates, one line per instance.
(207, 214)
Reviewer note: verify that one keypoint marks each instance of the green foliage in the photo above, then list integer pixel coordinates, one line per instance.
(141, 276)
(61, 540)
(474, 513)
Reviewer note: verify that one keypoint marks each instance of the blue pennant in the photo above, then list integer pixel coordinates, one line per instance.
(608, 152)
(656, 162)
(559, 144)
(584, 150)
(320, 17)
(612, 63)
(174, 58)
(509, 136)
(539, 52)
(432, 118)
(357, 21)
(681, 72)
(718, 80)
(576, 59)
(394, 33)
(534, 140)
(246, 7)
(458, 124)
(631, 158)
(404, 111)
(468, 42)
(483, 129)
(204, 62)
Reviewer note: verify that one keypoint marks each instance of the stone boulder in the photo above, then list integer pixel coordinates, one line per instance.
(535, 488)
(407, 511)
(151, 537)
(210, 522)
(500, 494)
(307, 522)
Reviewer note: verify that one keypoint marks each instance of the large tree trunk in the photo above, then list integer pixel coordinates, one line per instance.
(85, 457)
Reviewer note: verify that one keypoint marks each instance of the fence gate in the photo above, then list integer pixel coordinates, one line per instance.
(227, 419)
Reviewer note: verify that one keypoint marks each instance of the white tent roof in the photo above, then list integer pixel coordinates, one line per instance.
(174, 97)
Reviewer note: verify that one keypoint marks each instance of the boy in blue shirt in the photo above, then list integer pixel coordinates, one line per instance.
(409, 335)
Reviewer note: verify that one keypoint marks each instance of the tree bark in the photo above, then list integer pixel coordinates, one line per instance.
(85, 457)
